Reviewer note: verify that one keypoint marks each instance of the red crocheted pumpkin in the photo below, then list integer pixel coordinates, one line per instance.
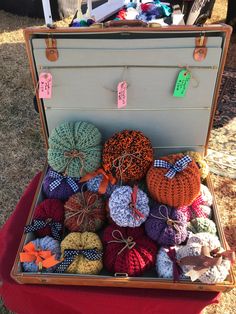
(128, 250)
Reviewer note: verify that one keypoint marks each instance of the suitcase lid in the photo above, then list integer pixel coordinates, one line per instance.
(87, 64)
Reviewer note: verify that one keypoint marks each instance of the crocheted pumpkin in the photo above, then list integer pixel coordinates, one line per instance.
(74, 148)
(127, 155)
(40, 255)
(48, 219)
(174, 180)
(165, 225)
(85, 211)
(82, 253)
(202, 165)
(206, 195)
(207, 263)
(128, 206)
(128, 250)
(57, 186)
(198, 225)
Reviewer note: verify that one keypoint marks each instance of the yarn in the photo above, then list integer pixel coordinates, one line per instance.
(212, 267)
(165, 267)
(101, 182)
(74, 148)
(58, 186)
(202, 165)
(50, 215)
(165, 225)
(206, 195)
(128, 206)
(202, 225)
(127, 155)
(181, 189)
(205, 239)
(82, 241)
(44, 244)
(85, 211)
(128, 250)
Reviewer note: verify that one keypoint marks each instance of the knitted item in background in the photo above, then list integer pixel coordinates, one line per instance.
(206, 195)
(122, 210)
(81, 241)
(128, 250)
(85, 211)
(165, 225)
(202, 164)
(44, 244)
(52, 209)
(127, 155)
(74, 148)
(179, 191)
(212, 274)
(205, 239)
(164, 265)
(63, 191)
(198, 225)
(94, 184)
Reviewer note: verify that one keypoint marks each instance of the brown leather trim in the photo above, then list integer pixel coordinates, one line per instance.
(200, 51)
(51, 50)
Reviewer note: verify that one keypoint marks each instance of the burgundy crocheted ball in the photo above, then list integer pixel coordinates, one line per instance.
(85, 211)
(50, 210)
(55, 185)
(165, 225)
(128, 250)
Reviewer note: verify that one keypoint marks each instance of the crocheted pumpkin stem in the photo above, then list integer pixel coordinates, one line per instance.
(129, 243)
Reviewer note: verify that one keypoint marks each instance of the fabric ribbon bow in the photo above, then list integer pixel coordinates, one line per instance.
(38, 224)
(41, 258)
(133, 204)
(58, 179)
(204, 261)
(106, 179)
(69, 256)
(177, 270)
(178, 166)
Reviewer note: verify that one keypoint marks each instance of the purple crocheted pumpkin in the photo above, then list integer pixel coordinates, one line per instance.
(165, 225)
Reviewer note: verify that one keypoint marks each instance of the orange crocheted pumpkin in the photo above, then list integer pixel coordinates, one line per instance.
(174, 180)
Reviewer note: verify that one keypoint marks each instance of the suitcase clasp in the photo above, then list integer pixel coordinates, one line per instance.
(51, 50)
(200, 50)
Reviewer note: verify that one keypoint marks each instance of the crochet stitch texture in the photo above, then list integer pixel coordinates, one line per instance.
(201, 224)
(80, 241)
(74, 148)
(179, 191)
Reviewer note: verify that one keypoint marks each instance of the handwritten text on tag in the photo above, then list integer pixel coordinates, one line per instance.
(122, 95)
(182, 82)
(45, 85)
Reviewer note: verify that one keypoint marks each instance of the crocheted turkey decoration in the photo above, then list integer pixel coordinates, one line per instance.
(205, 260)
(174, 180)
(74, 148)
(127, 155)
(165, 225)
(128, 250)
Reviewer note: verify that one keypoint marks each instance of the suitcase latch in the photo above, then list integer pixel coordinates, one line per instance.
(51, 50)
(200, 50)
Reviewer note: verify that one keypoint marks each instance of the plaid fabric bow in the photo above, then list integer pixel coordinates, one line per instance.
(54, 184)
(179, 166)
(69, 255)
(38, 224)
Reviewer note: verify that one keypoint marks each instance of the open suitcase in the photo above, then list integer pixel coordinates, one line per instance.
(86, 64)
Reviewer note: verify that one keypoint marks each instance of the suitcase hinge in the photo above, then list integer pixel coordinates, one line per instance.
(51, 50)
(200, 50)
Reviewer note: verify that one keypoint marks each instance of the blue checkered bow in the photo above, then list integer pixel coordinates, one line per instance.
(59, 178)
(179, 166)
(38, 224)
(69, 255)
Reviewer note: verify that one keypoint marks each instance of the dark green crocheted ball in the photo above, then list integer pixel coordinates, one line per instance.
(74, 148)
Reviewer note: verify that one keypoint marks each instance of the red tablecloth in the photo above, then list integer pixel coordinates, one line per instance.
(37, 299)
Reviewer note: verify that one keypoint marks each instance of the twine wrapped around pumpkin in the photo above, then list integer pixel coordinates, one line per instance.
(174, 180)
(128, 250)
(127, 155)
(74, 148)
(85, 211)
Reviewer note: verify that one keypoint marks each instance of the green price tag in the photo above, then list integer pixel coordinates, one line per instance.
(182, 83)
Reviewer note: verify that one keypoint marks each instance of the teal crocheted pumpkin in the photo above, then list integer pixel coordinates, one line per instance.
(74, 148)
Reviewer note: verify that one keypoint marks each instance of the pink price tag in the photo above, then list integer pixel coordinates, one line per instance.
(45, 85)
(122, 95)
